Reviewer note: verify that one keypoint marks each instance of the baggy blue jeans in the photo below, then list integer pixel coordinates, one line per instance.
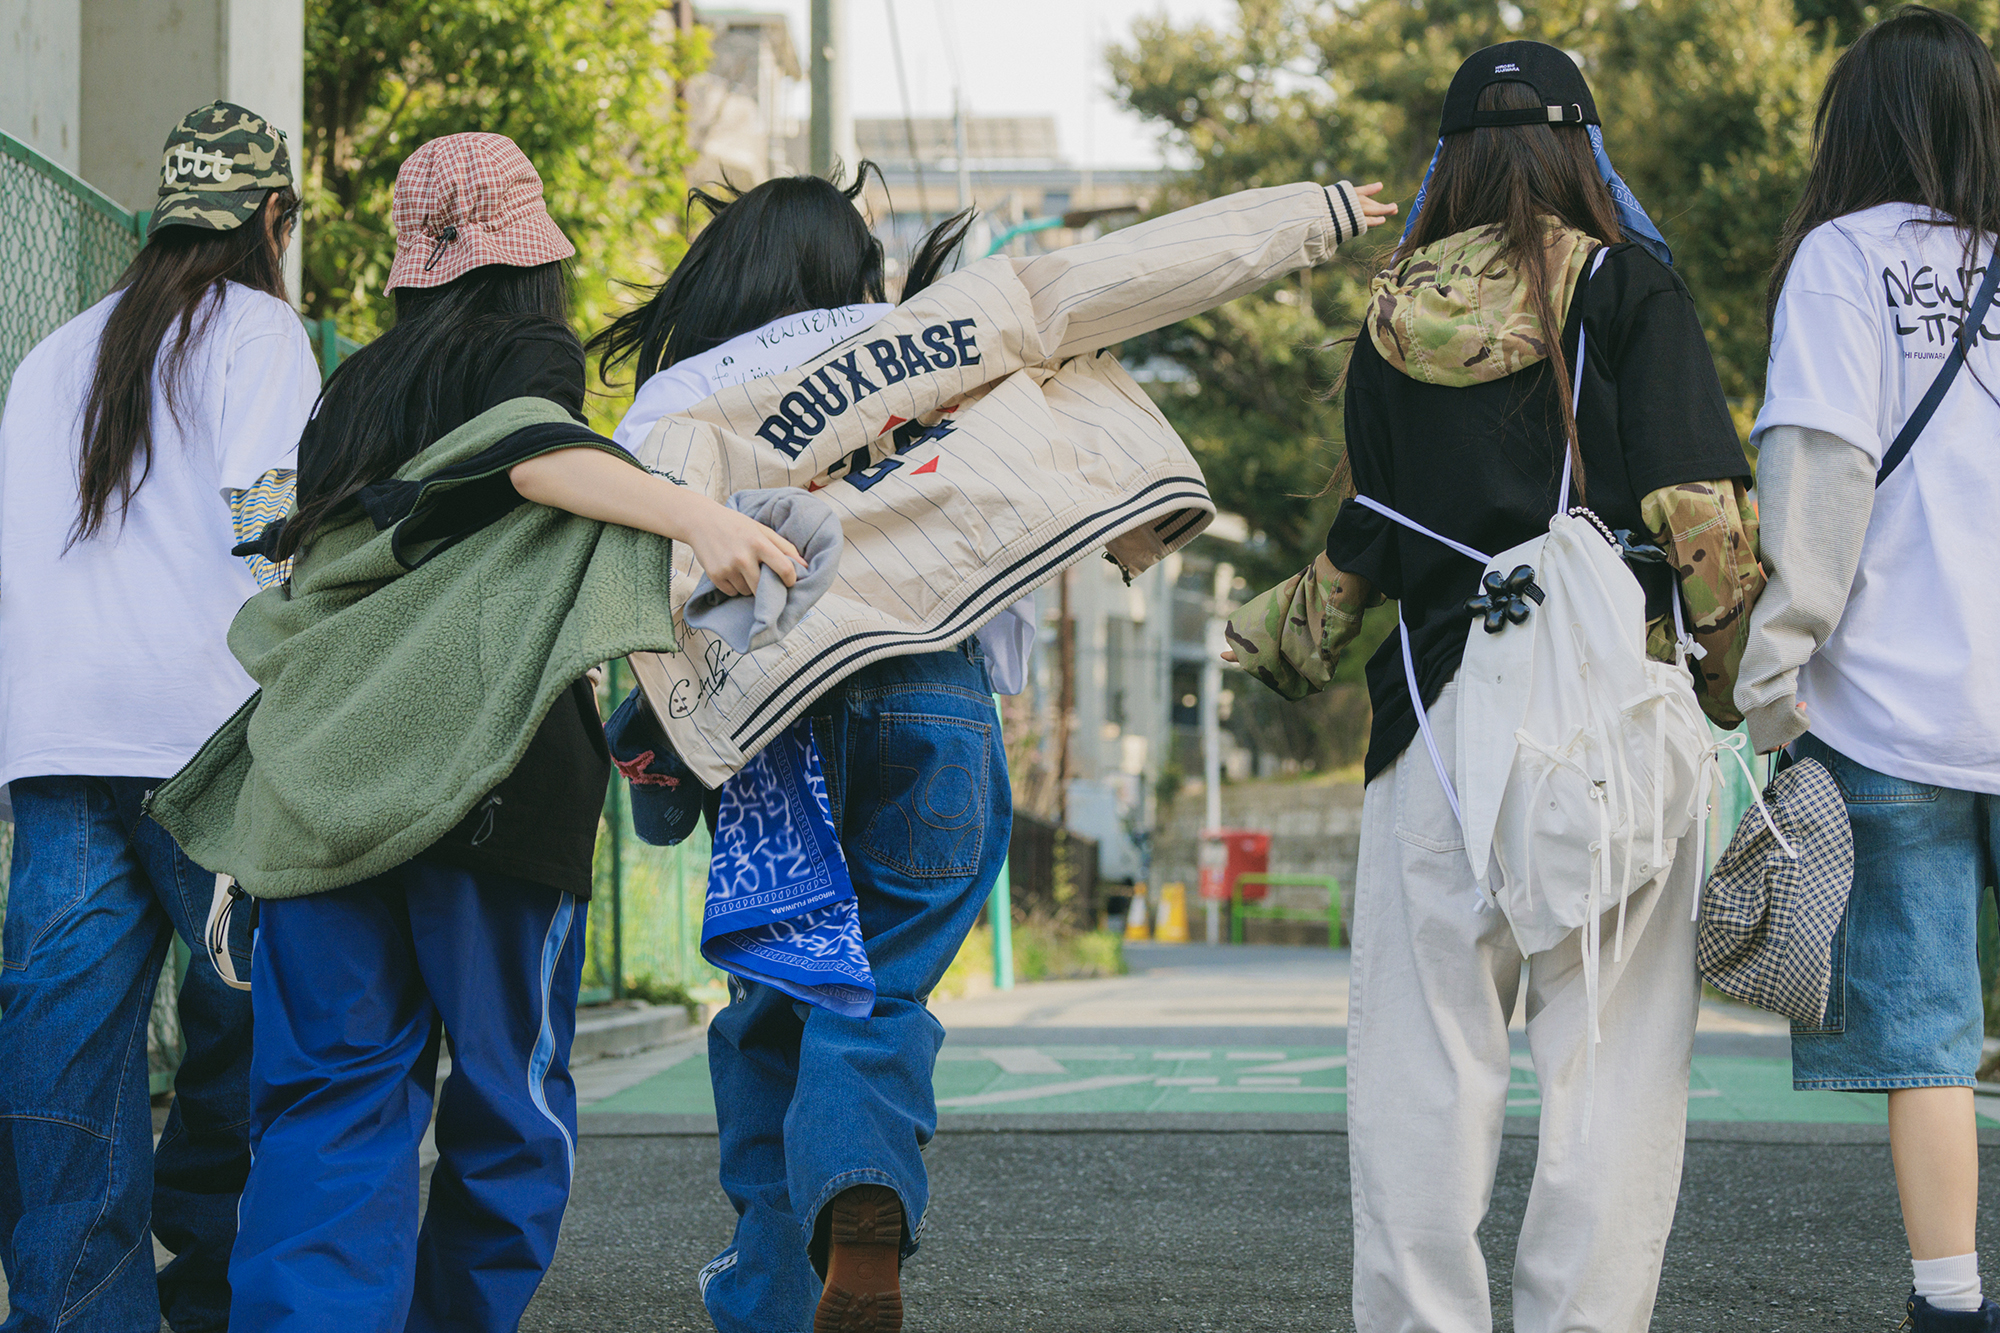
(96, 891)
(351, 988)
(810, 1103)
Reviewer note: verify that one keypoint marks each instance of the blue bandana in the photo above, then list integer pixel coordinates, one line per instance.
(781, 908)
(1632, 219)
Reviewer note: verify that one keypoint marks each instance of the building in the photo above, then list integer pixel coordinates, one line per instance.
(94, 85)
(738, 108)
(1013, 172)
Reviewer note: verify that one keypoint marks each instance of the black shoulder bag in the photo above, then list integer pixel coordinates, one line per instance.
(1968, 333)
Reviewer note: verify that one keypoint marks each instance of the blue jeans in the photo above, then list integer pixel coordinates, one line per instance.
(810, 1103)
(96, 892)
(351, 989)
(1905, 1008)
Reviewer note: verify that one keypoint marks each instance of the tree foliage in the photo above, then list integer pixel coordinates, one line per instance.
(585, 87)
(1707, 107)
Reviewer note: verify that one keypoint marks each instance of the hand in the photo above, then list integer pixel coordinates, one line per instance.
(1373, 211)
(732, 549)
(1229, 655)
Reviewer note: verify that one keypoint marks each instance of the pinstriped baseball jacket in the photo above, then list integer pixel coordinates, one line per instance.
(975, 442)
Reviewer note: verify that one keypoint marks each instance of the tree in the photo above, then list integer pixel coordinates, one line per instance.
(1707, 107)
(585, 87)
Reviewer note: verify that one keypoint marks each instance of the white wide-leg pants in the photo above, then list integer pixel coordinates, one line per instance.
(1434, 984)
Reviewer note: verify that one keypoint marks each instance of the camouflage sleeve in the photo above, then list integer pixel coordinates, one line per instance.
(267, 500)
(1709, 529)
(1292, 636)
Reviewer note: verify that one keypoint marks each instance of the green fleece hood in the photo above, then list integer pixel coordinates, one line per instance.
(403, 670)
(1454, 314)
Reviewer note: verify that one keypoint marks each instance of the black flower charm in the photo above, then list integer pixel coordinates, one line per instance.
(1505, 600)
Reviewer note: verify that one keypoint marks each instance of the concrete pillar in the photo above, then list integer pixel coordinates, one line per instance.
(147, 64)
(40, 93)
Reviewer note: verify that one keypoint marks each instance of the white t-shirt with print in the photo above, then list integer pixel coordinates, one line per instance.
(113, 653)
(1909, 683)
(1008, 640)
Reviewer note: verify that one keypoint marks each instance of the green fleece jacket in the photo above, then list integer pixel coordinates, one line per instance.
(403, 671)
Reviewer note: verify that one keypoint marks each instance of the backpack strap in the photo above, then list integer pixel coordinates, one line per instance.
(1968, 333)
(1576, 389)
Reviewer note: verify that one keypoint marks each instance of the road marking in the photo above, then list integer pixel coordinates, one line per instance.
(1250, 1080)
(1183, 1055)
(1310, 1065)
(1184, 1082)
(1256, 1055)
(1022, 1060)
(1328, 1092)
(1048, 1090)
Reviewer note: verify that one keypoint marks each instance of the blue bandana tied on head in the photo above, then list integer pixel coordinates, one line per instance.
(781, 908)
(1632, 219)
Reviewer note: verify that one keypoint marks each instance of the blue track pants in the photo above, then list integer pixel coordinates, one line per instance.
(351, 989)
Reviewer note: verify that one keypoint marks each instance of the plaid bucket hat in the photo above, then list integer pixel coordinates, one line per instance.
(1775, 898)
(467, 200)
(219, 164)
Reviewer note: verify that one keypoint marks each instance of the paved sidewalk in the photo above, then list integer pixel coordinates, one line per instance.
(1166, 1151)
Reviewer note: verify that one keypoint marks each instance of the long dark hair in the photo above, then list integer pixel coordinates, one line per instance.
(172, 287)
(1910, 114)
(393, 399)
(1515, 177)
(793, 243)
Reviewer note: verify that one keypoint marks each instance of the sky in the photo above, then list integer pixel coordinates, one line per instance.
(1016, 57)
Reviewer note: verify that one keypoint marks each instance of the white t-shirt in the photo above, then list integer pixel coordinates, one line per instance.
(1909, 683)
(791, 340)
(113, 654)
(1008, 640)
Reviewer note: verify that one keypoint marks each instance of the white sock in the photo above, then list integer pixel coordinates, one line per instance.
(1949, 1284)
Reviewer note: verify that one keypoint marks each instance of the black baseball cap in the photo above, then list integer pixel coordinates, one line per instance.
(1553, 75)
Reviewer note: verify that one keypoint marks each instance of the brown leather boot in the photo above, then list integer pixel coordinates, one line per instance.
(864, 1292)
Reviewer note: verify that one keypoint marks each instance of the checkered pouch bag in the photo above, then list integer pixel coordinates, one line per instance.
(1774, 900)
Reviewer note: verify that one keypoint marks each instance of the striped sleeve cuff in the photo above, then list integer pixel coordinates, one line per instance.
(1345, 206)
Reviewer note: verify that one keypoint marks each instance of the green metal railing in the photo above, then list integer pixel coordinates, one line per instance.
(1241, 911)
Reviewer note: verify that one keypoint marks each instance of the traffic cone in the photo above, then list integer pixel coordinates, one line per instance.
(1171, 925)
(1136, 915)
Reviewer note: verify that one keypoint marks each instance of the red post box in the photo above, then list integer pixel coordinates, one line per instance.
(1228, 853)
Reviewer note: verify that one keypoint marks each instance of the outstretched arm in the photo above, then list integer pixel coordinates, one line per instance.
(590, 483)
(1145, 277)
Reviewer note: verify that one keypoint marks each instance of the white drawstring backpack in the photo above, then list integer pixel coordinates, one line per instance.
(1582, 763)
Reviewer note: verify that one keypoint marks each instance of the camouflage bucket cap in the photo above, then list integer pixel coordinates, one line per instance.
(219, 164)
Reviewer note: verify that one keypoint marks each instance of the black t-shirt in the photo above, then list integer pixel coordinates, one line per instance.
(1483, 464)
(540, 823)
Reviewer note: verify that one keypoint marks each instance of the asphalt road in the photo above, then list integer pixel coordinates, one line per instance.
(1139, 1232)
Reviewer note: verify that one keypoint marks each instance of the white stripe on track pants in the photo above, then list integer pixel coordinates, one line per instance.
(1428, 1068)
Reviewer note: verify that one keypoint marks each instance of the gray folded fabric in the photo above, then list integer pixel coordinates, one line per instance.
(749, 623)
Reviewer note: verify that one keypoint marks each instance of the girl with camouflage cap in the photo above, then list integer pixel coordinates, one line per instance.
(1459, 415)
(141, 440)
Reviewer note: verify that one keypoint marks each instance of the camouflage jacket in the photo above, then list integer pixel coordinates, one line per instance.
(1453, 314)
(1291, 636)
(1709, 531)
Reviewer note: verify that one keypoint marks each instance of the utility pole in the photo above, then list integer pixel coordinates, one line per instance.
(832, 131)
(1211, 722)
(958, 133)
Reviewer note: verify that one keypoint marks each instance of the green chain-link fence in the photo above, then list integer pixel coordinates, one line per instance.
(65, 243)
